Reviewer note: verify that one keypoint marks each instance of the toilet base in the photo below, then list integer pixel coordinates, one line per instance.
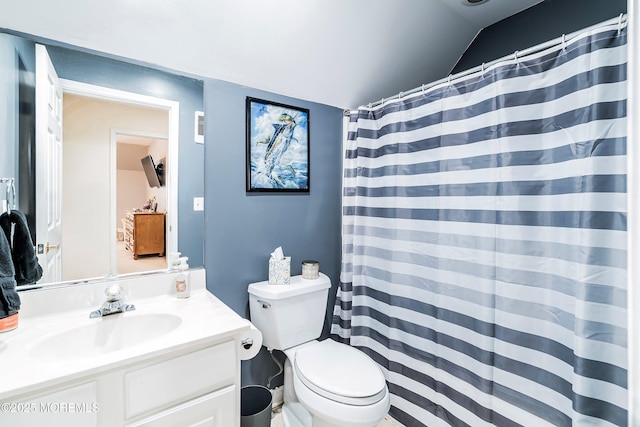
(294, 414)
(290, 416)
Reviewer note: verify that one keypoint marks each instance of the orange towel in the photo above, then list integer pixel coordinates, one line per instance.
(8, 323)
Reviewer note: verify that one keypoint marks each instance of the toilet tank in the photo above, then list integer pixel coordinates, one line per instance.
(288, 315)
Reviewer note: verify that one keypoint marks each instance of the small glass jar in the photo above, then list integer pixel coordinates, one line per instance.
(310, 269)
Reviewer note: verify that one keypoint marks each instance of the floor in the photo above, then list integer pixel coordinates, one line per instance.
(387, 422)
(126, 263)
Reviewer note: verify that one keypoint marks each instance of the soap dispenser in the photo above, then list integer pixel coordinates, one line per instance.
(183, 289)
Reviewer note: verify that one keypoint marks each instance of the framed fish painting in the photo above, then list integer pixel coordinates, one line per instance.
(277, 147)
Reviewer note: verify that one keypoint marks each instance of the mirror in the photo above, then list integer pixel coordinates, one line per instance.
(114, 114)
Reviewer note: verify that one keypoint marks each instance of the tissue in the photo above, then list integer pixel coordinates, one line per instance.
(249, 343)
(278, 254)
(279, 268)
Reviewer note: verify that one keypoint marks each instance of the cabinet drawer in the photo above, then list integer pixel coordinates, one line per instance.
(174, 381)
(216, 409)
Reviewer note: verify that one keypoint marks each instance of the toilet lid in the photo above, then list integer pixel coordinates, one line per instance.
(340, 373)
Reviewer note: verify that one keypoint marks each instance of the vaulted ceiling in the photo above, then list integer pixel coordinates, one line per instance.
(343, 53)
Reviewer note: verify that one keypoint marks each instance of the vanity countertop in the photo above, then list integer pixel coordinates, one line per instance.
(54, 344)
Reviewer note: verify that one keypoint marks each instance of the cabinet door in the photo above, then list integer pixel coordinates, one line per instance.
(75, 406)
(217, 409)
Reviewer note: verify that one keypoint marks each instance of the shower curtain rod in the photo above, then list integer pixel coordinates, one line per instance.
(562, 40)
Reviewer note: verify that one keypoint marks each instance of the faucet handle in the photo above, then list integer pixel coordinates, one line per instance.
(113, 293)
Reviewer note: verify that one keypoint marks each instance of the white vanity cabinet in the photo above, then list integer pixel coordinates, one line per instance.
(186, 388)
(169, 362)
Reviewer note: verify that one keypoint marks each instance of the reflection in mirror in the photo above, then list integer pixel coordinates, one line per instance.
(104, 191)
(92, 129)
(135, 183)
(17, 112)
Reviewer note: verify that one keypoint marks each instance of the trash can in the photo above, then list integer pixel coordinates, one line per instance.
(255, 406)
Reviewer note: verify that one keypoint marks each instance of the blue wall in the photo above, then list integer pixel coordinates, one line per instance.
(242, 229)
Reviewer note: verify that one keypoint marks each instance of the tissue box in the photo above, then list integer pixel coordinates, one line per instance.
(279, 271)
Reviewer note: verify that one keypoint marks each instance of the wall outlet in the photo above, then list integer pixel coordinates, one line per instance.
(198, 203)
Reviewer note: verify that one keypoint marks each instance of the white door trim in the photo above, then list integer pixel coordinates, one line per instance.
(173, 109)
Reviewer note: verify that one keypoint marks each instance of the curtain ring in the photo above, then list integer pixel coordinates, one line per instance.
(515, 55)
(620, 23)
(564, 43)
(449, 80)
(399, 95)
(482, 70)
(423, 91)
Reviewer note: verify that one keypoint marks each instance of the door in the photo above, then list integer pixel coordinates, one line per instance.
(48, 167)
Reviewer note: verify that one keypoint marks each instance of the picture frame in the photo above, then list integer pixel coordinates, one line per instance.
(277, 143)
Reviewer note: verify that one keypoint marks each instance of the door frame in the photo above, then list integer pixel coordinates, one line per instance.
(173, 109)
(113, 184)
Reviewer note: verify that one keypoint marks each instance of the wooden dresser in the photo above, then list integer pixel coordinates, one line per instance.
(144, 233)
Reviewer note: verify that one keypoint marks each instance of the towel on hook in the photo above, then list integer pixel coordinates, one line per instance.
(25, 261)
(9, 298)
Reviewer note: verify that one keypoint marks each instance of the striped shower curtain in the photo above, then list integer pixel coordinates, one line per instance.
(484, 241)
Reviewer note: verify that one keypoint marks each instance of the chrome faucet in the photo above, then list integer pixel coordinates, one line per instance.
(114, 303)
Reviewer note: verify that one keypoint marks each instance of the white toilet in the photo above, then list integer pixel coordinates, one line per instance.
(326, 384)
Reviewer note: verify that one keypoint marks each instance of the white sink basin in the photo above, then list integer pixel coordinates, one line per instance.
(104, 335)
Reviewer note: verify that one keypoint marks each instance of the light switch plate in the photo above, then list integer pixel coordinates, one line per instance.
(198, 203)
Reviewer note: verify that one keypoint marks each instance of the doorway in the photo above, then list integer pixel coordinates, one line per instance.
(106, 134)
(134, 190)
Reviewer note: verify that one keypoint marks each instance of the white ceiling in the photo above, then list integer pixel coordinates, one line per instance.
(343, 53)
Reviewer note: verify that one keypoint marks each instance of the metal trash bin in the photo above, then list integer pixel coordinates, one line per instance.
(255, 406)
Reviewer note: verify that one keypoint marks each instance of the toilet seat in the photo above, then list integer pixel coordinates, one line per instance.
(340, 373)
